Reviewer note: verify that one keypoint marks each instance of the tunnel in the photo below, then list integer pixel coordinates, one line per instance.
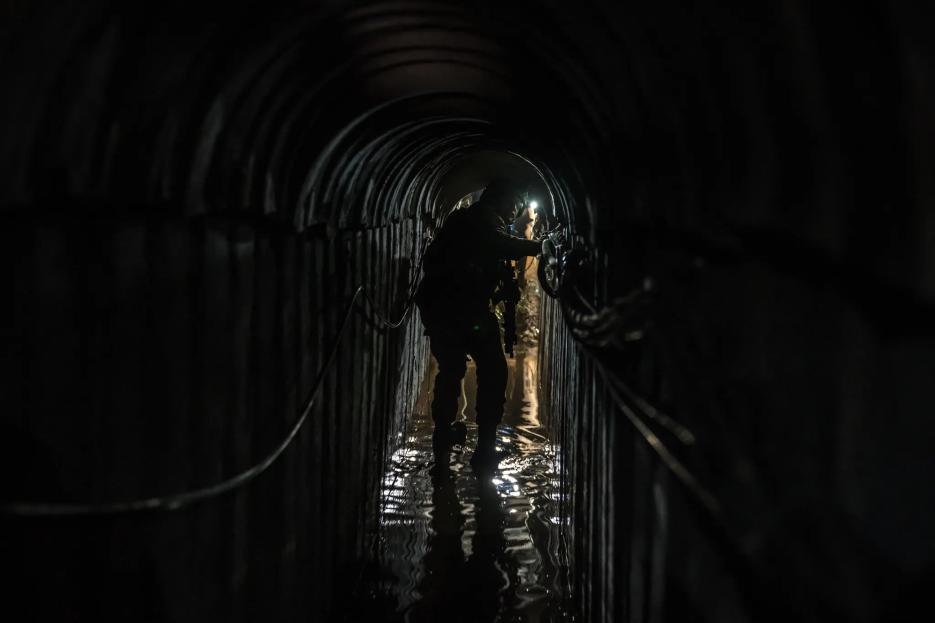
(215, 217)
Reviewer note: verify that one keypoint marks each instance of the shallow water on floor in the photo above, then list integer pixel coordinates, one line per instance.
(463, 545)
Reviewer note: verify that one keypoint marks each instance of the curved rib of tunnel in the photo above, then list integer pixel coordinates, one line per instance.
(736, 351)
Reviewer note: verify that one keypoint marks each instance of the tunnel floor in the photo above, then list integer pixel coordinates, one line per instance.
(456, 545)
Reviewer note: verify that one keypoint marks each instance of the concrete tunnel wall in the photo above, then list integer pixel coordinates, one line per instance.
(192, 193)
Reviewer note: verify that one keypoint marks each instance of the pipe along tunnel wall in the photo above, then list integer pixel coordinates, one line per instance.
(738, 363)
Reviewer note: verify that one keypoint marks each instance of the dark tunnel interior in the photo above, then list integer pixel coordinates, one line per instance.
(214, 219)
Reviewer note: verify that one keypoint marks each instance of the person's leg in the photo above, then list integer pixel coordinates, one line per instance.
(486, 349)
(452, 365)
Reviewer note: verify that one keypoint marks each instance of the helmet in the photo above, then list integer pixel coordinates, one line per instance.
(507, 196)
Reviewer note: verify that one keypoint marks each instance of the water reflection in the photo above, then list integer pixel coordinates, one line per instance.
(460, 586)
(460, 545)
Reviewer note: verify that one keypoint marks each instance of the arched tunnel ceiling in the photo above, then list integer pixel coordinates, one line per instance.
(236, 109)
(471, 171)
(760, 174)
(770, 120)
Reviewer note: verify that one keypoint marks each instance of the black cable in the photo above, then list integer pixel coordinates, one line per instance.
(181, 500)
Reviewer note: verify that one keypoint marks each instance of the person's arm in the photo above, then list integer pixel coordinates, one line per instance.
(508, 247)
(479, 228)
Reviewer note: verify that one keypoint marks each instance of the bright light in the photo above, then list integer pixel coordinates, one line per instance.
(534, 205)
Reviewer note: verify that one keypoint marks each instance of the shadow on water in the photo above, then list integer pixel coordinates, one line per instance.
(459, 545)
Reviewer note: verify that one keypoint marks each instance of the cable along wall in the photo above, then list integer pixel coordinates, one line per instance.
(190, 192)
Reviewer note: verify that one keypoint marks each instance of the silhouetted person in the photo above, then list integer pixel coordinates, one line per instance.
(463, 268)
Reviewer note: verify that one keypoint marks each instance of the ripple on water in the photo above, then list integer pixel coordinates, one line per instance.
(461, 546)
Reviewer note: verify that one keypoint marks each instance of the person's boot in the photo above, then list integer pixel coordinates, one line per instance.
(485, 454)
(440, 440)
(457, 434)
(444, 437)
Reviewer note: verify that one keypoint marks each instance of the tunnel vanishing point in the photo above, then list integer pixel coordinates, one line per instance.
(213, 219)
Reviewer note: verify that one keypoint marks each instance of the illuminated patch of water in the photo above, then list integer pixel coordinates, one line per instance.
(456, 545)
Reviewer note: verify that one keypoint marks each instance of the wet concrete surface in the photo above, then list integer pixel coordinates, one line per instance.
(459, 544)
